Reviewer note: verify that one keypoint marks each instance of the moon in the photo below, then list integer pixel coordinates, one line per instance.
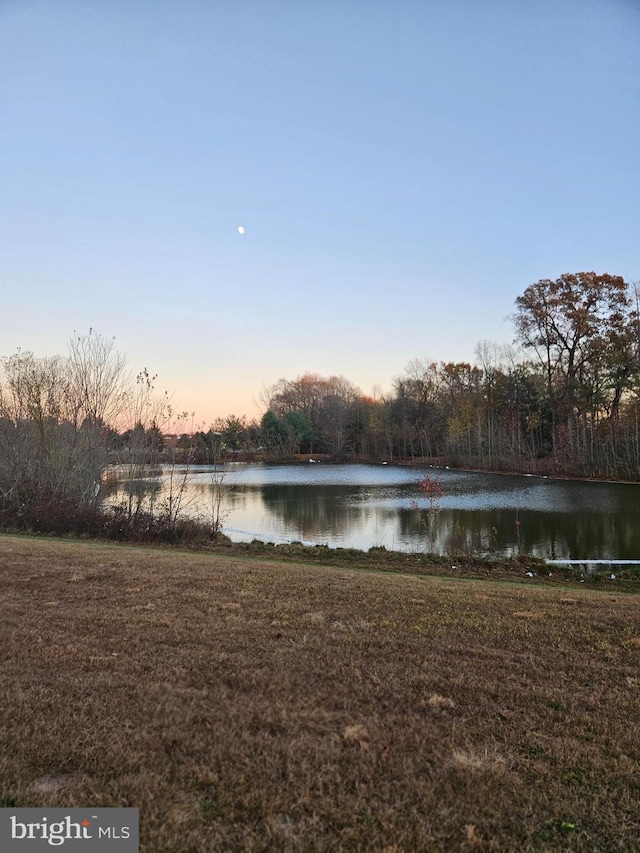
(240, 229)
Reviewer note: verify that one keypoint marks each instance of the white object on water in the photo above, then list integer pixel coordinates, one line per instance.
(240, 229)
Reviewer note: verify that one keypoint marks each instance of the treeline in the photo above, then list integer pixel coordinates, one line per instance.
(566, 399)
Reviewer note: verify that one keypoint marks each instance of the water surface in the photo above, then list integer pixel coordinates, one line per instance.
(360, 506)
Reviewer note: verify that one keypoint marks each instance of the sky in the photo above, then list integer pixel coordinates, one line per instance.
(402, 172)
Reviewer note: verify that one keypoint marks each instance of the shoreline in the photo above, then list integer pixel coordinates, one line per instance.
(524, 569)
(439, 463)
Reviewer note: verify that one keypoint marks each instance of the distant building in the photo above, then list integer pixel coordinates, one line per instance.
(171, 439)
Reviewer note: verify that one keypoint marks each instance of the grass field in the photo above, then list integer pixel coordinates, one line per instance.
(245, 704)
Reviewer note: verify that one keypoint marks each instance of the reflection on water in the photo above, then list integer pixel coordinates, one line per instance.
(360, 506)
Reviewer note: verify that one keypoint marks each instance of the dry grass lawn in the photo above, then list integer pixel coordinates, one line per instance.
(249, 705)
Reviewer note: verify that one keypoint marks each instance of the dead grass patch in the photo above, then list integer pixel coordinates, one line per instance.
(246, 705)
(440, 702)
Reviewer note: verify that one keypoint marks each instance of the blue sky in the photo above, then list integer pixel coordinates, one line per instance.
(402, 171)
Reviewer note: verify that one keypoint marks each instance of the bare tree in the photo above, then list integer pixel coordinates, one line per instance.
(58, 416)
(53, 423)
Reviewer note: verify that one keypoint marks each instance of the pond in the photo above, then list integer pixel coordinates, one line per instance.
(360, 506)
